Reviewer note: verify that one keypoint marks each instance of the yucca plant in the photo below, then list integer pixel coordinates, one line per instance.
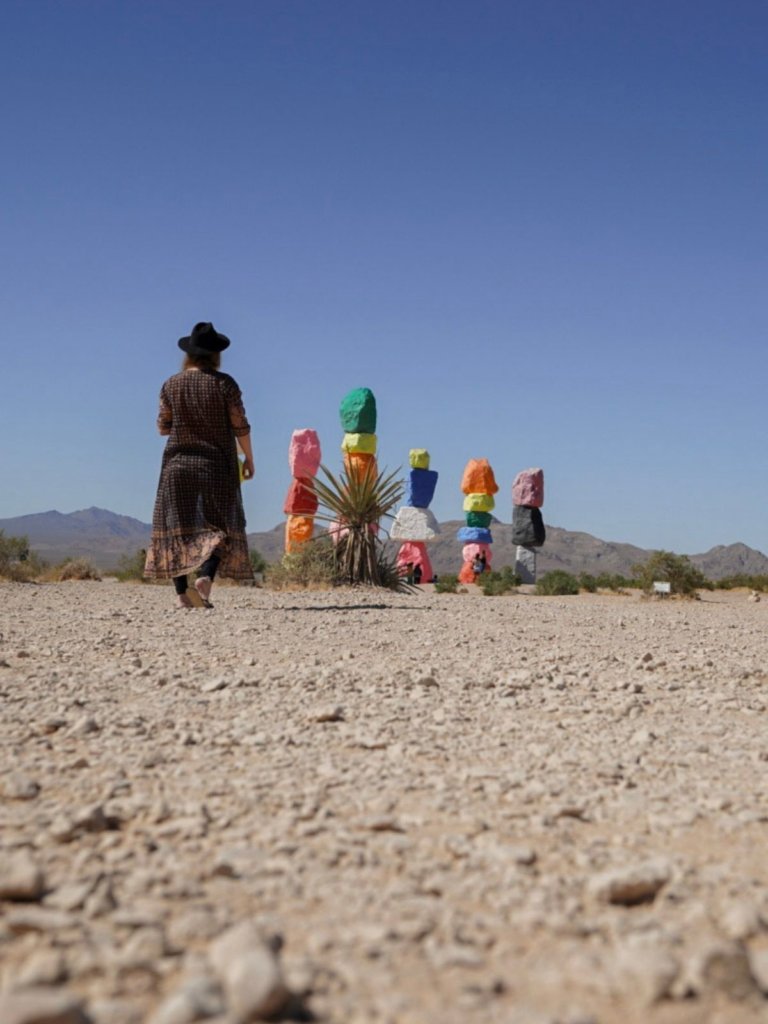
(354, 504)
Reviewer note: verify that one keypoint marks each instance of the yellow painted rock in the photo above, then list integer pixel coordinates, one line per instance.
(419, 458)
(479, 503)
(359, 443)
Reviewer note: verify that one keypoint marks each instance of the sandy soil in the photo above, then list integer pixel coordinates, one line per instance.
(451, 808)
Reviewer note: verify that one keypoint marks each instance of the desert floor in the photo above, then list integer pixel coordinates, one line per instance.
(522, 810)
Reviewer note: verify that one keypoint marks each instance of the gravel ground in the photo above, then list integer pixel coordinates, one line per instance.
(357, 807)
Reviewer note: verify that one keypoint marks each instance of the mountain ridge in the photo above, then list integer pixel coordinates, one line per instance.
(105, 537)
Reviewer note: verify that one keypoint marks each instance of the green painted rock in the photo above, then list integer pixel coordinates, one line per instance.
(481, 519)
(358, 412)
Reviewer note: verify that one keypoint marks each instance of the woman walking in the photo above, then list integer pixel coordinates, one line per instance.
(198, 522)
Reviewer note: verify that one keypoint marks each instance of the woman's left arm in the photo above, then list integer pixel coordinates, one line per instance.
(165, 416)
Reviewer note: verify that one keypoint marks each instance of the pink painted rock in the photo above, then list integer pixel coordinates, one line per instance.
(528, 488)
(415, 553)
(471, 551)
(304, 453)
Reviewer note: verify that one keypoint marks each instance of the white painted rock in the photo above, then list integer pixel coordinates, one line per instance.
(418, 524)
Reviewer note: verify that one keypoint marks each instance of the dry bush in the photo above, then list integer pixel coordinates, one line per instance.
(312, 565)
(17, 562)
(75, 569)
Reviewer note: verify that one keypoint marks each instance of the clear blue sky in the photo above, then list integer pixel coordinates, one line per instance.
(536, 230)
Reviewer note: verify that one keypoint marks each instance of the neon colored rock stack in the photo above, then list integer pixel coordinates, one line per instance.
(528, 531)
(415, 525)
(301, 501)
(358, 421)
(479, 485)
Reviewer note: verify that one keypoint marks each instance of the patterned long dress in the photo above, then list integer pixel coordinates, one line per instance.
(199, 509)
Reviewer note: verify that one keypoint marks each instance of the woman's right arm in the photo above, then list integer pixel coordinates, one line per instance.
(245, 446)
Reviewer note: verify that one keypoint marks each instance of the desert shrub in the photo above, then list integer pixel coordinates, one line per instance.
(677, 570)
(494, 584)
(76, 569)
(588, 583)
(557, 582)
(17, 561)
(759, 583)
(131, 567)
(258, 561)
(614, 581)
(312, 565)
(447, 584)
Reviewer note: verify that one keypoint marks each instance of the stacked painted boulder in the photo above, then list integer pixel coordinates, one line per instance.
(358, 421)
(528, 531)
(479, 485)
(415, 525)
(301, 501)
(357, 413)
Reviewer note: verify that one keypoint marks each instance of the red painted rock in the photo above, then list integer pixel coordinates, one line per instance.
(301, 499)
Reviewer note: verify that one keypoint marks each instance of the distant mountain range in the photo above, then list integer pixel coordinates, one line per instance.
(104, 537)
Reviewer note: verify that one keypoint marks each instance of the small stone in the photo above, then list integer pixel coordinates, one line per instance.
(632, 885)
(199, 998)
(42, 1006)
(20, 878)
(725, 967)
(739, 920)
(143, 948)
(86, 726)
(524, 855)
(20, 787)
(38, 919)
(249, 971)
(758, 963)
(44, 967)
(212, 685)
(335, 714)
(647, 973)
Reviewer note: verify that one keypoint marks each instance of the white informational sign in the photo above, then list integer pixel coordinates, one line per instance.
(662, 588)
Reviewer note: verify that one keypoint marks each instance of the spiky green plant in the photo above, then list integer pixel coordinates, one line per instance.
(357, 503)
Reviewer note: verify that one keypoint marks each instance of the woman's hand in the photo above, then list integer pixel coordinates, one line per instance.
(248, 469)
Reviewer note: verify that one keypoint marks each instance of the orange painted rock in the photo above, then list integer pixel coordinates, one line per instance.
(298, 530)
(357, 464)
(478, 478)
(467, 574)
(301, 499)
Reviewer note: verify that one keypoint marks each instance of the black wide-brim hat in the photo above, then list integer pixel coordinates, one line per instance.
(203, 341)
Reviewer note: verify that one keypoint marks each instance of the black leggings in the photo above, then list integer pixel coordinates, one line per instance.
(206, 569)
